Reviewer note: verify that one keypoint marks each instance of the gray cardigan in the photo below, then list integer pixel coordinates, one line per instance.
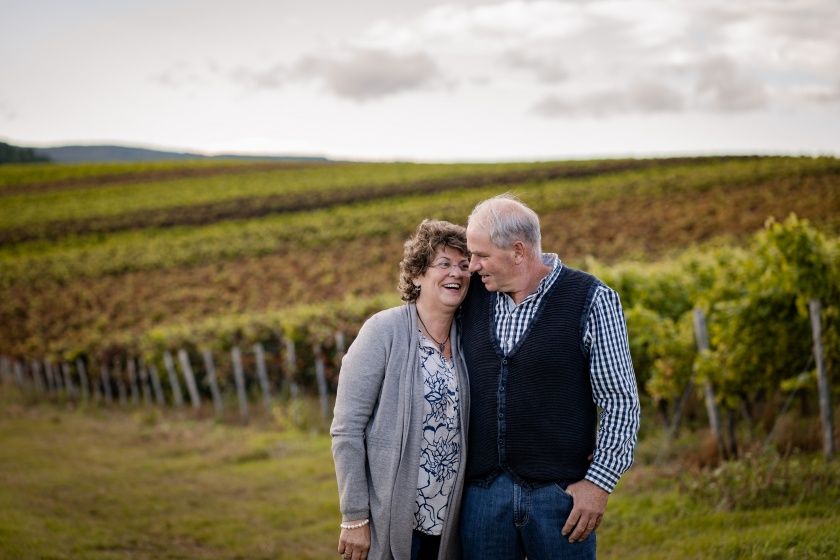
(377, 428)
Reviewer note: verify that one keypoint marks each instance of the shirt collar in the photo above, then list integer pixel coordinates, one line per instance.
(550, 260)
(553, 261)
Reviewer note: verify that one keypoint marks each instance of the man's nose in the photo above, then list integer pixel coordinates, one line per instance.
(474, 263)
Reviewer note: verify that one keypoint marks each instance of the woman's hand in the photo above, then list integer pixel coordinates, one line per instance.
(354, 544)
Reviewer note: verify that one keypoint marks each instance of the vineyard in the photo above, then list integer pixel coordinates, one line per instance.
(116, 270)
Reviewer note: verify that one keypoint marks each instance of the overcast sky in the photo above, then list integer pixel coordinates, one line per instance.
(425, 79)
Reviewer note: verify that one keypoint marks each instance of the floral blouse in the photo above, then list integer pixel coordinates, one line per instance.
(441, 443)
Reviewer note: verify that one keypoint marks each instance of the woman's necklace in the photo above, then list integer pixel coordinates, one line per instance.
(441, 345)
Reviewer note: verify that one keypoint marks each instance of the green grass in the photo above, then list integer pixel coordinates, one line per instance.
(141, 483)
(113, 484)
(665, 525)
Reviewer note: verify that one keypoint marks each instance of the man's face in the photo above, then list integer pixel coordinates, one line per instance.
(493, 264)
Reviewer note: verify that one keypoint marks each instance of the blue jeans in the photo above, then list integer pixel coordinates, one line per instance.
(508, 521)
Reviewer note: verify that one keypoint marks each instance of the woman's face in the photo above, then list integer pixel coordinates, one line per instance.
(446, 280)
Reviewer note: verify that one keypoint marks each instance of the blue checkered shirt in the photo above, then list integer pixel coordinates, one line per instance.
(610, 370)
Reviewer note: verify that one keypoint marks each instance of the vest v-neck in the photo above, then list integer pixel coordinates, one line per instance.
(561, 275)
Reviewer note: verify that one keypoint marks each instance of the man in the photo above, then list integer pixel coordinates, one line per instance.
(546, 346)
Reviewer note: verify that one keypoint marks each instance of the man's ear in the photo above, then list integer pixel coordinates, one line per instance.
(518, 249)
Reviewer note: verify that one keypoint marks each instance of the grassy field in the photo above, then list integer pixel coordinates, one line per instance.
(117, 484)
(111, 484)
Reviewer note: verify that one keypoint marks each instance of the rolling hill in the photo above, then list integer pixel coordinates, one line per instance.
(97, 256)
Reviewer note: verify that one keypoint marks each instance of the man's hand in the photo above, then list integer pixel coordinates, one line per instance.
(590, 501)
(354, 543)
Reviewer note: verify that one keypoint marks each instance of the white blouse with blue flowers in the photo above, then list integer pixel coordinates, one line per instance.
(441, 443)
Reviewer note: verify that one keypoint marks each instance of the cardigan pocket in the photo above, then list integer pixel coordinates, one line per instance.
(383, 458)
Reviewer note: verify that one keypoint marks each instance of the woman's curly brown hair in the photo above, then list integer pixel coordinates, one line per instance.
(422, 247)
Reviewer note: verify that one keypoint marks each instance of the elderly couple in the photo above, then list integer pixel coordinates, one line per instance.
(467, 421)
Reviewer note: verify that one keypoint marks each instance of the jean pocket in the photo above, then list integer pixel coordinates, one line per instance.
(562, 489)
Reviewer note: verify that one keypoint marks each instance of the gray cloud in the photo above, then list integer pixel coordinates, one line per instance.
(546, 69)
(809, 21)
(821, 95)
(640, 97)
(365, 74)
(604, 57)
(182, 74)
(358, 74)
(716, 55)
(272, 77)
(722, 86)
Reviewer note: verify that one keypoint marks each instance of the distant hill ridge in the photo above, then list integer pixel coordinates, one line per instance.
(109, 153)
(16, 154)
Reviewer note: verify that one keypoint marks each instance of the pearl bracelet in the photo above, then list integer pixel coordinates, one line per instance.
(354, 525)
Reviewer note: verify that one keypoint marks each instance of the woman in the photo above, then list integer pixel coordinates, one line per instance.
(400, 423)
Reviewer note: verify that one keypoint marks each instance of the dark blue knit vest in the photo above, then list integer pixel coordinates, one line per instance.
(531, 412)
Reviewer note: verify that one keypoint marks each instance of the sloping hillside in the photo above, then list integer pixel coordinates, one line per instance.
(89, 253)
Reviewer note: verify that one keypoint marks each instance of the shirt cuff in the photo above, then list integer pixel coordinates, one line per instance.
(602, 476)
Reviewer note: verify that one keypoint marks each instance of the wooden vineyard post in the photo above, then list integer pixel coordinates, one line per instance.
(69, 386)
(56, 374)
(59, 384)
(291, 372)
(58, 377)
(20, 377)
(210, 368)
(239, 378)
(823, 385)
(96, 386)
(291, 368)
(6, 375)
(134, 377)
(119, 379)
(702, 337)
(106, 383)
(169, 364)
(340, 346)
(157, 388)
(262, 375)
(184, 358)
(322, 382)
(145, 389)
(37, 376)
(83, 379)
(131, 366)
(48, 374)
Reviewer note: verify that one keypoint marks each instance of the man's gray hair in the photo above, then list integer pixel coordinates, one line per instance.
(508, 220)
